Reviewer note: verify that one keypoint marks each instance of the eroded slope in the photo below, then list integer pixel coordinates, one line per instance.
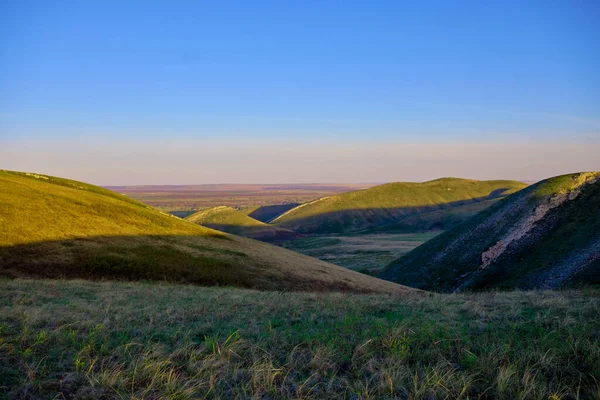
(545, 236)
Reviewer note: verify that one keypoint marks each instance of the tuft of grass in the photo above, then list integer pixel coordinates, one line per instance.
(111, 340)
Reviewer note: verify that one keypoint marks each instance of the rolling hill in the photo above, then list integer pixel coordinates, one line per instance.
(545, 236)
(397, 207)
(59, 228)
(233, 221)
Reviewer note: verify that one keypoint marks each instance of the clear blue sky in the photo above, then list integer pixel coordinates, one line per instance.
(387, 72)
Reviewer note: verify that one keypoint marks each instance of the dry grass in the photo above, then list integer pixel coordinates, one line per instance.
(110, 340)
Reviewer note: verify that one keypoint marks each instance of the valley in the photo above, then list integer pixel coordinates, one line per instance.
(367, 253)
(106, 297)
(310, 200)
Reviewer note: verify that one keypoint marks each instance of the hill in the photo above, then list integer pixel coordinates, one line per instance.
(545, 236)
(399, 207)
(230, 220)
(54, 227)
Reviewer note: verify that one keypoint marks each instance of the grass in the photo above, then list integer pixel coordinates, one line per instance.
(57, 228)
(366, 253)
(384, 204)
(115, 340)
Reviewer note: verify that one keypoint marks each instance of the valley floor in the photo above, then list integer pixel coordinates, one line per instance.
(76, 339)
(364, 253)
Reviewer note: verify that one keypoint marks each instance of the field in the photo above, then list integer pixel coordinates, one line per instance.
(367, 253)
(186, 198)
(111, 340)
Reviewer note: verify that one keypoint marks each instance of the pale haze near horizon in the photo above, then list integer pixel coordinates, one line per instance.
(188, 162)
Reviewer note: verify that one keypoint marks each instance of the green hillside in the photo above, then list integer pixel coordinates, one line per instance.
(54, 227)
(545, 236)
(230, 220)
(403, 207)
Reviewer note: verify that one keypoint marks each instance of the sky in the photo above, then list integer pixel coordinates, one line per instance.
(192, 92)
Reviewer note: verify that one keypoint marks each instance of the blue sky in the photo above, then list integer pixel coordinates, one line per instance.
(337, 72)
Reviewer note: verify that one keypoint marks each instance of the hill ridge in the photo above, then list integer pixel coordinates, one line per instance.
(391, 202)
(525, 240)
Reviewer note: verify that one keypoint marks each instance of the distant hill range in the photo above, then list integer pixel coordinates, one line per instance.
(233, 221)
(397, 207)
(545, 236)
(59, 228)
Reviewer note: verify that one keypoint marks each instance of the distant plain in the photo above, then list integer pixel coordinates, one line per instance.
(183, 200)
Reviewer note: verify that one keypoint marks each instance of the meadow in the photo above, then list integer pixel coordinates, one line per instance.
(116, 340)
(366, 253)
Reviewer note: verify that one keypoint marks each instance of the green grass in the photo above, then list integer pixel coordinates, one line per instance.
(57, 228)
(392, 202)
(116, 340)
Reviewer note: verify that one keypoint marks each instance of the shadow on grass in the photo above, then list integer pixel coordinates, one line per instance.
(190, 259)
(267, 213)
(198, 260)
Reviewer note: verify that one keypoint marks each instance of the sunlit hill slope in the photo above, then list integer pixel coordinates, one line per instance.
(402, 207)
(233, 221)
(52, 227)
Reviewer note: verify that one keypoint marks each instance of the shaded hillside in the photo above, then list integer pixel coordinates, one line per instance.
(54, 227)
(229, 220)
(403, 207)
(545, 236)
(268, 213)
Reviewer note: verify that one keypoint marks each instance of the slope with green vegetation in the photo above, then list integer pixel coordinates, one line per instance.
(397, 207)
(233, 221)
(547, 235)
(52, 227)
(116, 340)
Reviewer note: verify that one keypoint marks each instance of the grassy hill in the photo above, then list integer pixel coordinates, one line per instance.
(233, 221)
(399, 207)
(547, 235)
(54, 227)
